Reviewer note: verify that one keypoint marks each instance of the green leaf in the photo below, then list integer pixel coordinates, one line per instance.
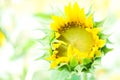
(22, 50)
(44, 41)
(45, 55)
(43, 16)
(24, 73)
(90, 11)
(73, 62)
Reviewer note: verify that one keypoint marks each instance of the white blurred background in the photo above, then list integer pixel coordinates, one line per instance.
(20, 49)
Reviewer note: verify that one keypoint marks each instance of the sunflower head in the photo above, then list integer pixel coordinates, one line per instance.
(76, 38)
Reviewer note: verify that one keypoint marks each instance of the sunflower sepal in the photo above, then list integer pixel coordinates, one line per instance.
(105, 49)
(73, 62)
(86, 61)
(99, 23)
(64, 66)
(97, 58)
(52, 36)
(86, 65)
(105, 37)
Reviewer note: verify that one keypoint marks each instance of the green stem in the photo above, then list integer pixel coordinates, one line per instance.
(84, 76)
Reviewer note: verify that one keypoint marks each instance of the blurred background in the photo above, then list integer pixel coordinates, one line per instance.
(24, 22)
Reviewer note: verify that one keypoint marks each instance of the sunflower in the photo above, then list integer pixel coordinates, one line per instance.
(76, 38)
(2, 38)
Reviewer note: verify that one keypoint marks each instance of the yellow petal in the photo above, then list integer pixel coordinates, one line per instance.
(53, 57)
(58, 61)
(92, 53)
(2, 38)
(70, 51)
(89, 22)
(76, 12)
(57, 35)
(69, 12)
(54, 26)
(56, 45)
(101, 43)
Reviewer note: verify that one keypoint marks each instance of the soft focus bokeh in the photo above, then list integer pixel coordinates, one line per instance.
(20, 31)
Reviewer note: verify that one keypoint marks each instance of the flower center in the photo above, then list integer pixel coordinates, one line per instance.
(78, 38)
